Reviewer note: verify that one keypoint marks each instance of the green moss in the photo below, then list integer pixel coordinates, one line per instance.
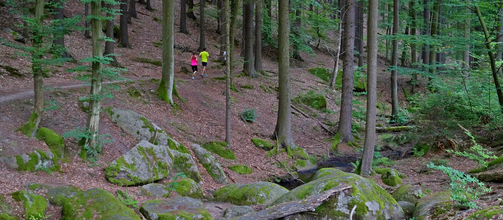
(178, 147)
(391, 178)
(53, 140)
(214, 79)
(181, 214)
(487, 213)
(34, 205)
(4, 216)
(241, 169)
(147, 124)
(220, 148)
(322, 73)
(494, 162)
(29, 128)
(247, 86)
(147, 60)
(382, 170)
(113, 170)
(188, 187)
(30, 165)
(300, 163)
(312, 99)
(109, 111)
(263, 144)
(181, 164)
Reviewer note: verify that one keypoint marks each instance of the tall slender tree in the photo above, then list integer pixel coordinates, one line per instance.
(258, 36)
(394, 63)
(110, 44)
(283, 131)
(202, 26)
(132, 9)
(434, 33)
(123, 26)
(228, 113)
(249, 65)
(426, 31)
(347, 74)
(370, 125)
(183, 17)
(165, 89)
(59, 40)
(413, 46)
(190, 13)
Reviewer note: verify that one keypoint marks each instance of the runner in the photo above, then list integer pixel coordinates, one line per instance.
(193, 64)
(204, 59)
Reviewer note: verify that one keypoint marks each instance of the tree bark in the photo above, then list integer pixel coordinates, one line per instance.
(190, 13)
(110, 45)
(249, 66)
(228, 75)
(222, 27)
(183, 17)
(165, 90)
(413, 46)
(283, 131)
(394, 63)
(359, 32)
(87, 33)
(370, 125)
(258, 36)
(59, 39)
(336, 58)
(202, 40)
(132, 9)
(434, 25)
(466, 52)
(426, 31)
(234, 20)
(93, 121)
(123, 33)
(347, 75)
(149, 6)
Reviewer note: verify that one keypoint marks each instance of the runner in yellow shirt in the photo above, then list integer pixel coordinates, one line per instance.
(204, 59)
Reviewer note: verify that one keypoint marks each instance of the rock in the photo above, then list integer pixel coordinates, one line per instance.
(493, 175)
(262, 144)
(408, 208)
(154, 190)
(53, 140)
(259, 193)
(235, 211)
(183, 163)
(433, 205)
(97, 204)
(241, 169)
(220, 148)
(408, 193)
(5, 209)
(16, 36)
(187, 188)
(36, 161)
(176, 208)
(305, 165)
(495, 212)
(391, 178)
(145, 163)
(58, 195)
(210, 164)
(372, 202)
(34, 205)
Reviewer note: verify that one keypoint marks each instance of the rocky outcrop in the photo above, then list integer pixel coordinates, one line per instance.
(259, 193)
(176, 208)
(183, 163)
(408, 193)
(210, 164)
(235, 211)
(154, 190)
(34, 205)
(187, 188)
(493, 172)
(391, 178)
(431, 206)
(35, 161)
(58, 195)
(371, 201)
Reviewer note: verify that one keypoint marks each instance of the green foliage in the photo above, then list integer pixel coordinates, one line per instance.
(322, 73)
(241, 169)
(403, 117)
(420, 150)
(461, 192)
(173, 185)
(84, 135)
(220, 148)
(126, 199)
(312, 99)
(248, 115)
(478, 153)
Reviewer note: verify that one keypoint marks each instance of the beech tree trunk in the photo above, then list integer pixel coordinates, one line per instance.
(190, 13)
(202, 40)
(87, 33)
(228, 69)
(258, 36)
(183, 17)
(249, 66)
(165, 90)
(59, 39)
(394, 63)
(222, 27)
(123, 33)
(132, 9)
(283, 131)
(110, 45)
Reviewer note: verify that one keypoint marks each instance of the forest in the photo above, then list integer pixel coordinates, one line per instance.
(251, 109)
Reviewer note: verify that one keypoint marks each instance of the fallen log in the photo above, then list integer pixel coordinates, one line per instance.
(391, 129)
(294, 207)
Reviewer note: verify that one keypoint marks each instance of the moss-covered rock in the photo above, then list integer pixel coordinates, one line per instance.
(183, 163)
(391, 178)
(5, 209)
(372, 202)
(145, 163)
(177, 208)
(241, 169)
(493, 172)
(34, 205)
(97, 204)
(312, 99)
(259, 193)
(235, 211)
(262, 144)
(434, 205)
(53, 140)
(187, 188)
(408, 208)
(154, 190)
(495, 212)
(210, 164)
(58, 195)
(220, 148)
(322, 73)
(37, 161)
(408, 193)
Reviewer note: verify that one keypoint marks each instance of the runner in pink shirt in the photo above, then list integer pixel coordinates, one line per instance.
(193, 60)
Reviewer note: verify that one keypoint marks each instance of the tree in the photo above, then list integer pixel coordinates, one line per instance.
(190, 13)
(132, 9)
(59, 41)
(249, 65)
(359, 32)
(110, 44)
(183, 17)
(228, 113)
(87, 33)
(394, 63)
(283, 131)
(370, 125)
(149, 6)
(123, 33)
(434, 33)
(413, 46)
(426, 31)
(258, 36)
(165, 90)
(222, 27)
(347, 75)
(202, 28)
(297, 25)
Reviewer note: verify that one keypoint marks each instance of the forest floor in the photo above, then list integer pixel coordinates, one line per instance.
(199, 118)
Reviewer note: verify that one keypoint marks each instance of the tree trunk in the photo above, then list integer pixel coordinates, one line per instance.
(394, 63)
(222, 27)
(110, 45)
(249, 66)
(183, 17)
(149, 6)
(123, 33)
(258, 36)
(434, 25)
(267, 22)
(228, 75)
(142, 2)
(491, 58)
(202, 40)
(413, 48)
(93, 121)
(87, 33)
(296, 31)
(426, 31)
(347, 75)
(190, 13)
(132, 9)
(466, 53)
(336, 58)
(165, 90)
(359, 32)
(234, 20)
(59, 38)
(283, 131)
(370, 133)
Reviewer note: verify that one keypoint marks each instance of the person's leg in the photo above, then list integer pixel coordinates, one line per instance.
(204, 68)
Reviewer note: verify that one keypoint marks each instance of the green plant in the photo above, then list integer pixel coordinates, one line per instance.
(478, 153)
(403, 117)
(83, 135)
(39, 216)
(172, 185)
(461, 192)
(126, 199)
(248, 115)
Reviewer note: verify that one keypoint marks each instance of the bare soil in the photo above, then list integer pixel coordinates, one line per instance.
(198, 118)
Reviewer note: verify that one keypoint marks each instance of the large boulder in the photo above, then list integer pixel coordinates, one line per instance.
(187, 188)
(494, 212)
(391, 178)
(434, 205)
(371, 201)
(97, 204)
(492, 173)
(210, 164)
(183, 163)
(145, 163)
(176, 208)
(53, 140)
(154, 190)
(235, 211)
(408, 193)
(34, 205)
(36, 161)
(259, 193)
(58, 195)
